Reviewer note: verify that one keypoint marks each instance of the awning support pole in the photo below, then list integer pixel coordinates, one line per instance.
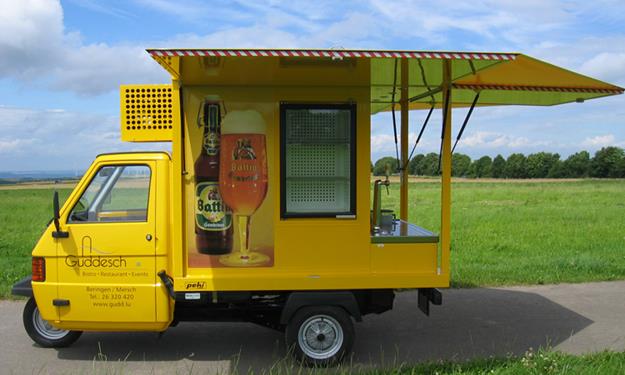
(179, 181)
(403, 191)
(445, 235)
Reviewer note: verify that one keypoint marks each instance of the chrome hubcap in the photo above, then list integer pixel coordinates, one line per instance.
(320, 337)
(46, 329)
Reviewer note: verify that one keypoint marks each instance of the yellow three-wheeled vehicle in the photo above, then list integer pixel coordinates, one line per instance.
(262, 211)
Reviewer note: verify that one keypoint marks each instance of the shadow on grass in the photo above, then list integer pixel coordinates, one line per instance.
(475, 323)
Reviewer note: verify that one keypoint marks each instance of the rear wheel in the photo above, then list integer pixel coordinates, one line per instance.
(320, 335)
(42, 332)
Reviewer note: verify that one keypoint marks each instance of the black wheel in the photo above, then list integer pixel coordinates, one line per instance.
(42, 332)
(320, 335)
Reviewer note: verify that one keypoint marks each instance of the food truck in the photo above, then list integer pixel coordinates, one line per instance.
(262, 211)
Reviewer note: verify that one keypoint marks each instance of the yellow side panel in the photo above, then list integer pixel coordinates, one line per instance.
(110, 295)
(308, 253)
(403, 258)
(44, 294)
(149, 113)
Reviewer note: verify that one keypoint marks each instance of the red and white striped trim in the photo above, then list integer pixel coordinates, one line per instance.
(334, 54)
(592, 90)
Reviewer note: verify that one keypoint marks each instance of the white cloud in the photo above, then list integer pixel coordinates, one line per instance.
(599, 141)
(100, 68)
(14, 145)
(500, 22)
(58, 140)
(31, 33)
(238, 37)
(382, 143)
(195, 10)
(493, 140)
(607, 66)
(36, 49)
(106, 8)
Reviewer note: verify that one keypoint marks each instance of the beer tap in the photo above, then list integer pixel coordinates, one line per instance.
(377, 199)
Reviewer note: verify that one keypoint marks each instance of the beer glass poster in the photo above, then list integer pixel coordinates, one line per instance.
(229, 201)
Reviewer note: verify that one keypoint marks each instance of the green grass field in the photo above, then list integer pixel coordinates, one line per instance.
(24, 215)
(504, 233)
(532, 363)
(541, 362)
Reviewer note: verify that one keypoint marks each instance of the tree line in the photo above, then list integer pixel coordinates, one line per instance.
(609, 162)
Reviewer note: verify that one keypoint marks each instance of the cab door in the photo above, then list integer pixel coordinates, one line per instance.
(107, 265)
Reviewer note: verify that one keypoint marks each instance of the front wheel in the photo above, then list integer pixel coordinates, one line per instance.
(320, 335)
(42, 332)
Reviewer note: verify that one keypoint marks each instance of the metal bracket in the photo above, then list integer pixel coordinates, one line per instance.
(60, 234)
(427, 295)
(165, 64)
(168, 283)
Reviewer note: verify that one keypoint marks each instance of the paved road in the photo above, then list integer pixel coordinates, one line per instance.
(575, 318)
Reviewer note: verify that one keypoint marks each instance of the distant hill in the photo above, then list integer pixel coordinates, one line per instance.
(17, 176)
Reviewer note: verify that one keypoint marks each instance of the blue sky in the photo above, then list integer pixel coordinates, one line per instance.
(62, 62)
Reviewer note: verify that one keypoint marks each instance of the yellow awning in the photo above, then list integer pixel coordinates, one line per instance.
(501, 78)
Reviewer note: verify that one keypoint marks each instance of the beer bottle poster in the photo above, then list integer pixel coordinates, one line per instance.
(228, 198)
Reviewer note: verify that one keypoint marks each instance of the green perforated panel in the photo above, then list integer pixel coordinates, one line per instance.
(317, 160)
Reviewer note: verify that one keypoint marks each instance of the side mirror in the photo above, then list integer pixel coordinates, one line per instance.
(55, 206)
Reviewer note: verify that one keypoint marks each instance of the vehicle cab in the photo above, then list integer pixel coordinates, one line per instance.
(114, 238)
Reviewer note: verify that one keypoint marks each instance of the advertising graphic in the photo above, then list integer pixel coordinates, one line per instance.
(243, 178)
(230, 187)
(213, 220)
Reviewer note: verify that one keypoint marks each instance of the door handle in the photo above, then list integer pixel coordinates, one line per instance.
(148, 237)
(58, 302)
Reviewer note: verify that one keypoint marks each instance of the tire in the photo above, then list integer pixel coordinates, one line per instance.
(320, 336)
(44, 334)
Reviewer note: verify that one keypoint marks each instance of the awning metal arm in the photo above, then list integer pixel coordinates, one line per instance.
(466, 121)
(431, 93)
(425, 81)
(425, 123)
(472, 67)
(393, 111)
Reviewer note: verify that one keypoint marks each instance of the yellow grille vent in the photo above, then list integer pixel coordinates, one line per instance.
(149, 113)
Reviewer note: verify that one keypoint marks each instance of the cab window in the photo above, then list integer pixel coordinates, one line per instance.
(117, 193)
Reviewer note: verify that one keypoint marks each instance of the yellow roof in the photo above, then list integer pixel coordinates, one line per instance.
(501, 78)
